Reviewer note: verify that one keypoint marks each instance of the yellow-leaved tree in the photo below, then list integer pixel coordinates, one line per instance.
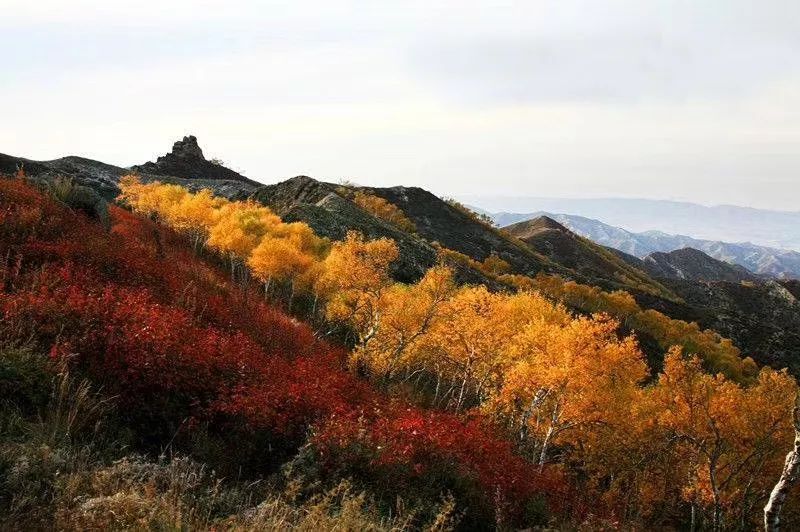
(355, 278)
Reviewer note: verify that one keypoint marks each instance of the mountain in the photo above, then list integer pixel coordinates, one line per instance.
(762, 318)
(690, 263)
(591, 261)
(725, 223)
(762, 260)
(186, 160)
(546, 246)
(103, 178)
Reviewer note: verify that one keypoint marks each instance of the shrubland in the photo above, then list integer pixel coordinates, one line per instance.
(232, 370)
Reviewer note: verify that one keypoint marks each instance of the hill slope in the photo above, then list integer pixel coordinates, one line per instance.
(762, 318)
(324, 207)
(692, 264)
(189, 361)
(330, 211)
(594, 263)
(202, 365)
(774, 262)
(728, 223)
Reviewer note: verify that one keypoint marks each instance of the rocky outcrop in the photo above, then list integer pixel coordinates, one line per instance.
(327, 209)
(186, 161)
(103, 178)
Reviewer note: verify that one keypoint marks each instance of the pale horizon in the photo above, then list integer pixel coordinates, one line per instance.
(660, 100)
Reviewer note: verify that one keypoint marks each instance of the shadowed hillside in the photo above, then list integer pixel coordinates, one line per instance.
(594, 263)
(693, 264)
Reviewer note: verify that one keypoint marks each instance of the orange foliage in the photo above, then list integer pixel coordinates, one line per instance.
(569, 391)
(183, 350)
(384, 210)
(718, 353)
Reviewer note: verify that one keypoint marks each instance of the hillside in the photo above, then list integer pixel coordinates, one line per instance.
(692, 264)
(763, 318)
(757, 316)
(328, 210)
(592, 262)
(331, 212)
(435, 221)
(151, 346)
(221, 363)
(762, 260)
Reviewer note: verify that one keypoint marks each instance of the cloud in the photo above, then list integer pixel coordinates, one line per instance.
(689, 100)
(617, 52)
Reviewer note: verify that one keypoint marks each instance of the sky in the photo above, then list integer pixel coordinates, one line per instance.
(682, 100)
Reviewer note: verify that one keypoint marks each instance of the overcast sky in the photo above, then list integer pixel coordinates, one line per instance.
(691, 100)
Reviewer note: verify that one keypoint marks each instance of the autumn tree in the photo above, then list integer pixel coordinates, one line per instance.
(288, 254)
(354, 280)
(494, 266)
(384, 210)
(726, 437)
(569, 382)
(196, 214)
(407, 313)
(151, 199)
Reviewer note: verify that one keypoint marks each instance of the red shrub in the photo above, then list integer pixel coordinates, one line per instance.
(173, 339)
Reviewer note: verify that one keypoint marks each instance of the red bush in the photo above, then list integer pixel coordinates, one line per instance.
(172, 338)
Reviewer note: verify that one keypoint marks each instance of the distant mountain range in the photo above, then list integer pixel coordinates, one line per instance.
(762, 260)
(726, 223)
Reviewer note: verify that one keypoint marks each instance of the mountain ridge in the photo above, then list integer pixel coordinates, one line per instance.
(693, 264)
(725, 223)
(468, 240)
(761, 260)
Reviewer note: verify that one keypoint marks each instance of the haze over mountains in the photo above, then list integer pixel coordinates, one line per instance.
(726, 223)
(762, 260)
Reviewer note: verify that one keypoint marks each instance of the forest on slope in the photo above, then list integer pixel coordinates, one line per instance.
(199, 362)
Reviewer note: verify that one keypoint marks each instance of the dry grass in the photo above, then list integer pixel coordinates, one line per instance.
(65, 468)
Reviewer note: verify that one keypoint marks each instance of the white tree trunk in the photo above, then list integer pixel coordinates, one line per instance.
(791, 468)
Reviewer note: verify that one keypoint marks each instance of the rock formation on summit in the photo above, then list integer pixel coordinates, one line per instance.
(186, 160)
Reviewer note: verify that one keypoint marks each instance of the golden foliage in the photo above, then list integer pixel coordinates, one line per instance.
(384, 210)
(354, 279)
(718, 353)
(243, 230)
(568, 389)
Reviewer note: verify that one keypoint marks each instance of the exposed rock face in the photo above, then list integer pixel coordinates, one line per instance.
(186, 161)
(103, 178)
(693, 264)
(329, 213)
(187, 148)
